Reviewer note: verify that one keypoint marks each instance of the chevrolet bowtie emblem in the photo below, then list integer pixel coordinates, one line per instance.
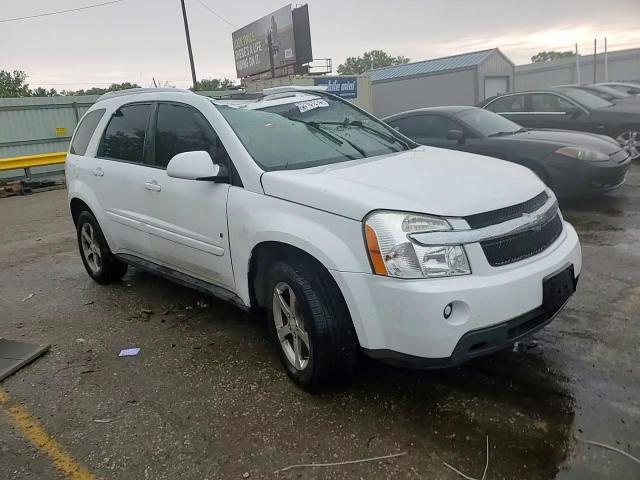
(534, 220)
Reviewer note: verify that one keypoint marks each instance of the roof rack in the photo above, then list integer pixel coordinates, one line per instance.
(135, 91)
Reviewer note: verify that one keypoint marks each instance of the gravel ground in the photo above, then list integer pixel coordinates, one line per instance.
(206, 398)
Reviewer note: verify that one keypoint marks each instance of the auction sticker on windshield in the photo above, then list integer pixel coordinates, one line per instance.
(311, 104)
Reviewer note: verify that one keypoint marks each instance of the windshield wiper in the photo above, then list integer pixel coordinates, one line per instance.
(359, 124)
(337, 139)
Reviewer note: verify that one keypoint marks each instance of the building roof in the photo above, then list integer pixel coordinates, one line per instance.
(436, 65)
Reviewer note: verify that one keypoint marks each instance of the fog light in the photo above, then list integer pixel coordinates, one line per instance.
(447, 311)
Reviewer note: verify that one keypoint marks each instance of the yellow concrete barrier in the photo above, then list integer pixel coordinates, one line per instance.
(31, 161)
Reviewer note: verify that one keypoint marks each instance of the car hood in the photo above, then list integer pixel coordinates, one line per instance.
(425, 180)
(631, 108)
(563, 138)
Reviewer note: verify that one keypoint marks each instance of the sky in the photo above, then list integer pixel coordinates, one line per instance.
(136, 40)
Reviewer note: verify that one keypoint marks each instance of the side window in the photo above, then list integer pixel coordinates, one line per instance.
(510, 103)
(123, 138)
(426, 126)
(85, 131)
(179, 129)
(546, 102)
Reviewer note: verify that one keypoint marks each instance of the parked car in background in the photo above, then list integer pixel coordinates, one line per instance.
(623, 87)
(608, 93)
(350, 236)
(571, 163)
(572, 109)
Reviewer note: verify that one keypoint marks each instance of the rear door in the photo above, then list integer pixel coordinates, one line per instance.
(119, 174)
(511, 107)
(188, 219)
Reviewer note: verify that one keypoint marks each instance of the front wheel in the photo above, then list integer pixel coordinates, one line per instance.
(311, 325)
(98, 260)
(629, 139)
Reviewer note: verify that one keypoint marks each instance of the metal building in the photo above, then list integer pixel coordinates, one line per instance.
(464, 79)
(621, 65)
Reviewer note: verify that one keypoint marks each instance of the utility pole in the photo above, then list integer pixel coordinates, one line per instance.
(577, 65)
(595, 53)
(186, 31)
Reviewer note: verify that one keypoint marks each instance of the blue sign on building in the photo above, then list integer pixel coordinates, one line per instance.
(341, 86)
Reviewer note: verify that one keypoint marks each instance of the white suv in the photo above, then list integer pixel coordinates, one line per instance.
(351, 237)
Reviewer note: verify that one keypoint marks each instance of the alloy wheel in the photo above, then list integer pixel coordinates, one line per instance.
(292, 335)
(630, 141)
(90, 247)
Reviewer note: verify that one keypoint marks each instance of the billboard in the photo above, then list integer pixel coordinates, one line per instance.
(345, 87)
(275, 32)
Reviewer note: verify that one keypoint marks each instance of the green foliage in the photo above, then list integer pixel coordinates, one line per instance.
(368, 61)
(13, 84)
(43, 92)
(209, 84)
(114, 87)
(551, 55)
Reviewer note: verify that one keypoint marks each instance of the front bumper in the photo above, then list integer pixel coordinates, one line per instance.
(404, 318)
(588, 178)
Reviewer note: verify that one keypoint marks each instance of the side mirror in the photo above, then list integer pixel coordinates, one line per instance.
(457, 135)
(194, 166)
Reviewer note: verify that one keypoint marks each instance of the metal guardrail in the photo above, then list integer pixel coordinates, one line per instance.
(30, 161)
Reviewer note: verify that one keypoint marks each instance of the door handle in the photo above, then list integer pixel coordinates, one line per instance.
(98, 172)
(153, 186)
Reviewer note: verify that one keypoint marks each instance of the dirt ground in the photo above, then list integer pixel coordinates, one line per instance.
(206, 397)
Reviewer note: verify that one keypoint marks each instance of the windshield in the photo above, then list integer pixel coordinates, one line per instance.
(488, 123)
(308, 131)
(585, 99)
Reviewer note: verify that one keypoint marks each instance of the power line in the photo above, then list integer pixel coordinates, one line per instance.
(60, 11)
(216, 14)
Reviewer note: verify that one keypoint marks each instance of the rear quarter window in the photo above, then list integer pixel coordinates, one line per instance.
(85, 131)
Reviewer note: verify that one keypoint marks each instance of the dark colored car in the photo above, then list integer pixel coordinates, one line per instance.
(571, 163)
(627, 88)
(572, 109)
(606, 92)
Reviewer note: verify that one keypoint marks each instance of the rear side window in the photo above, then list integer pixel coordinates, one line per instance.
(85, 130)
(425, 126)
(123, 138)
(511, 103)
(545, 102)
(181, 129)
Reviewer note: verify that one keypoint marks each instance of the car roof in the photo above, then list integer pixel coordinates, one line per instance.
(452, 109)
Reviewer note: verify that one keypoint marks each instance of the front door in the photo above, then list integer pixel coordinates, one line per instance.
(188, 219)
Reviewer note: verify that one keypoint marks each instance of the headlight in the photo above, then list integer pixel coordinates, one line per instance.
(583, 154)
(393, 253)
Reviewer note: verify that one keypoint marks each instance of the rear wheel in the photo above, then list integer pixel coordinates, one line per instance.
(311, 325)
(98, 260)
(629, 139)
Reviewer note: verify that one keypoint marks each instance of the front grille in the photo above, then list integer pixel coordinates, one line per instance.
(480, 220)
(516, 247)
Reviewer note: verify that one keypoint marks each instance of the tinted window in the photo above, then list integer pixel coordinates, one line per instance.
(426, 126)
(587, 99)
(124, 137)
(85, 130)
(546, 102)
(182, 129)
(488, 123)
(511, 103)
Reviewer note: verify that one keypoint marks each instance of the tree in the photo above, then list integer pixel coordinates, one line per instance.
(368, 61)
(43, 92)
(551, 55)
(13, 84)
(114, 87)
(209, 84)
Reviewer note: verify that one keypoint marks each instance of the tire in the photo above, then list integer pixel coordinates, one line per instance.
(629, 139)
(320, 315)
(98, 260)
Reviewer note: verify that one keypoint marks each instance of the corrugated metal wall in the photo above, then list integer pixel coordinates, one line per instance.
(624, 65)
(29, 126)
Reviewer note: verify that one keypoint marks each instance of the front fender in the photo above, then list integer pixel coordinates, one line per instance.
(336, 242)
